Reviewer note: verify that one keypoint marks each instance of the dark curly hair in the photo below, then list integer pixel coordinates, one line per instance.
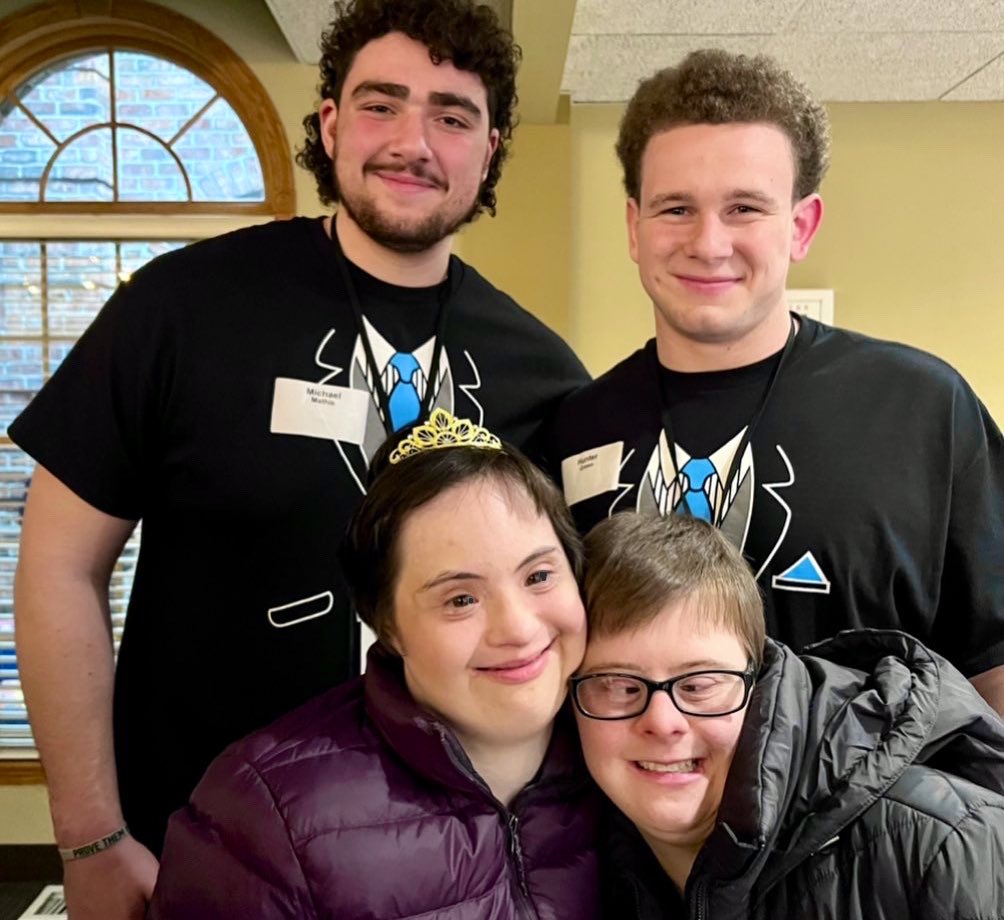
(715, 87)
(468, 35)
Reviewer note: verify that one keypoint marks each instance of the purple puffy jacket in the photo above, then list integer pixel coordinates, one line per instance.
(361, 805)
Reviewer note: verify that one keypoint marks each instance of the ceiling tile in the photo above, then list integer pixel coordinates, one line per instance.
(983, 86)
(607, 68)
(681, 17)
(302, 22)
(886, 67)
(899, 16)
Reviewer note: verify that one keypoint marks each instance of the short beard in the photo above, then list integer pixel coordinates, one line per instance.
(400, 236)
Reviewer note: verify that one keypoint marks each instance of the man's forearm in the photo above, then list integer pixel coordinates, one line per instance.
(65, 661)
(64, 649)
(990, 685)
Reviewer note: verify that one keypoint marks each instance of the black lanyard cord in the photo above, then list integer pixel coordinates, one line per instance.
(736, 462)
(377, 377)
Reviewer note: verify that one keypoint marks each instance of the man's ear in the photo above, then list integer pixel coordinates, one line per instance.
(493, 145)
(632, 216)
(807, 215)
(328, 115)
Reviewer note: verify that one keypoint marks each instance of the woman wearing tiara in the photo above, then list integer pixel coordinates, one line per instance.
(446, 782)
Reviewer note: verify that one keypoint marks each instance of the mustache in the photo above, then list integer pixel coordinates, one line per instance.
(416, 170)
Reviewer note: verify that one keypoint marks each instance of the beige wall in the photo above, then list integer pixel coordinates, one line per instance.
(611, 316)
(526, 248)
(24, 815)
(912, 240)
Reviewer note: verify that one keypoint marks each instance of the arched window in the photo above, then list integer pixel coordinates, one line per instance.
(125, 130)
(127, 127)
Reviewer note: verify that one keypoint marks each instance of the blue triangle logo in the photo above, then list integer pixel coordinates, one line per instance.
(804, 575)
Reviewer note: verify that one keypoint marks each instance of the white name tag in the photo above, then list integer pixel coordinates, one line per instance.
(319, 411)
(592, 472)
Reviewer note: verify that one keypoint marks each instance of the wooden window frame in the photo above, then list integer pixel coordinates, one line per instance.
(25, 771)
(48, 32)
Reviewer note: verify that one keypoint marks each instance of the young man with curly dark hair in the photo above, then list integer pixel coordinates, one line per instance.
(864, 480)
(245, 383)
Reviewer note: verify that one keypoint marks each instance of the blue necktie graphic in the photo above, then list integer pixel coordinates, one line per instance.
(698, 470)
(405, 406)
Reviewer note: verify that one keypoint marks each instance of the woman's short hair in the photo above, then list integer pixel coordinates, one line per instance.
(638, 564)
(370, 553)
(717, 87)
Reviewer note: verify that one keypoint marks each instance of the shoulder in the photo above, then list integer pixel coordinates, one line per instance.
(499, 314)
(952, 803)
(326, 743)
(229, 259)
(621, 405)
(854, 380)
(926, 817)
(956, 834)
(628, 378)
(322, 769)
(915, 851)
(320, 729)
(838, 351)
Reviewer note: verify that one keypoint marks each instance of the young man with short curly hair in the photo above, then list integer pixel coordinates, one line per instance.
(246, 383)
(864, 480)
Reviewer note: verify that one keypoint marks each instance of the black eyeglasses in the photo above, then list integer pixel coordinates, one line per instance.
(699, 693)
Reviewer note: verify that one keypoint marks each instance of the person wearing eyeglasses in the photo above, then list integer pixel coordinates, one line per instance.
(861, 779)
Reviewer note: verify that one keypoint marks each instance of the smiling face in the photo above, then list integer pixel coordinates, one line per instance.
(487, 613)
(411, 143)
(664, 770)
(713, 233)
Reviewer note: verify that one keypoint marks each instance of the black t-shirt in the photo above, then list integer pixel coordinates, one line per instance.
(871, 494)
(708, 407)
(182, 405)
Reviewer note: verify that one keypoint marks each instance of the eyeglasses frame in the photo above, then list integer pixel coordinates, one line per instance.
(652, 686)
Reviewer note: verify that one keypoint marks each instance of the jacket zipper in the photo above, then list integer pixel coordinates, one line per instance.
(701, 898)
(515, 848)
(516, 852)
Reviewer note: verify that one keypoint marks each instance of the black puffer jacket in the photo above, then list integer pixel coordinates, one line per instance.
(868, 785)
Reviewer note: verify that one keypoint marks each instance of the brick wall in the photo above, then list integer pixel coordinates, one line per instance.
(151, 123)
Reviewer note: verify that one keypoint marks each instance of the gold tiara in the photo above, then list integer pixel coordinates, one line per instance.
(443, 430)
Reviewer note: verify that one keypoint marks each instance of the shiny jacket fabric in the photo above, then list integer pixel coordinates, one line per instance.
(868, 784)
(361, 805)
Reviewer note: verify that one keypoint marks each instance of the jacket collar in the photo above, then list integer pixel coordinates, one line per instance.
(825, 735)
(432, 749)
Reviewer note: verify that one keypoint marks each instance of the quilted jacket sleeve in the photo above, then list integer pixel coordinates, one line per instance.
(228, 853)
(965, 880)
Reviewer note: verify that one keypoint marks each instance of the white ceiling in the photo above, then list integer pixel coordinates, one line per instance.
(303, 21)
(845, 50)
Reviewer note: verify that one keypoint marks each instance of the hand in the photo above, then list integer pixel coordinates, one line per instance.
(115, 884)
